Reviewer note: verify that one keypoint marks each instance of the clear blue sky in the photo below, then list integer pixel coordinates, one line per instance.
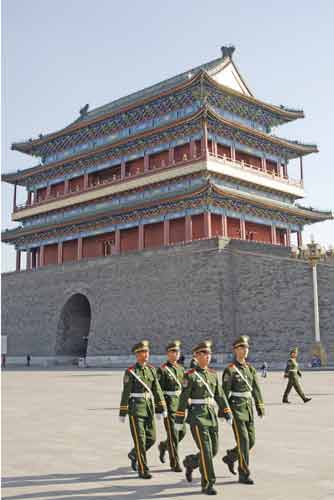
(58, 55)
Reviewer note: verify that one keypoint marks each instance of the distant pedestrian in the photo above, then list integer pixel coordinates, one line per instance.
(264, 369)
(3, 361)
(28, 359)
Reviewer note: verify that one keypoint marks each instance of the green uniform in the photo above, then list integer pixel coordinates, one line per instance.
(292, 372)
(171, 388)
(202, 418)
(241, 394)
(137, 402)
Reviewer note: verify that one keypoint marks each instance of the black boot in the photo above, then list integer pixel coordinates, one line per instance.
(245, 479)
(189, 470)
(286, 401)
(162, 451)
(228, 460)
(306, 400)
(133, 461)
(145, 475)
(209, 490)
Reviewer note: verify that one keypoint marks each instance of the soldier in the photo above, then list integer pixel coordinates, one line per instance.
(241, 385)
(292, 372)
(202, 386)
(170, 376)
(141, 391)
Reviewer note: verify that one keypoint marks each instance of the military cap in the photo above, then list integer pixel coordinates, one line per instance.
(243, 340)
(144, 345)
(174, 345)
(294, 349)
(203, 346)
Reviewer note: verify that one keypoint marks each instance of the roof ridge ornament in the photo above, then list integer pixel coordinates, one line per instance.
(83, 111)
(227, 51)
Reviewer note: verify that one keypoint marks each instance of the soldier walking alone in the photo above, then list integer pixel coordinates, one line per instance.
(292, 372)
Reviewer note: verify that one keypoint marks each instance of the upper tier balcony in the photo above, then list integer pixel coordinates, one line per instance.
(263, 174)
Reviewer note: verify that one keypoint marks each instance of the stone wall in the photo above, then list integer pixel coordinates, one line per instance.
(210, 288)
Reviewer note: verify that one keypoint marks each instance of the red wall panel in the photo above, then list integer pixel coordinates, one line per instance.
(223, 150)
(197, 226)
(180, 151)
(76, 184)
(50, 254)
(129, 239)
(233, 227)
(70, 250)
(177, 230)
(158, 160)
(271, 166)
(258, 232)
(216, 225)
(154, 235)
(93, 245)
(135, 167)
(57, 189)
(248, 158)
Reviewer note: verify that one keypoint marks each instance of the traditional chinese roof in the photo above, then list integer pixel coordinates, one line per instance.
(221, 73)
(217, 124)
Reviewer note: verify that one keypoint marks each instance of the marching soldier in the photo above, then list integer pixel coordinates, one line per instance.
(240, 383)
(141, 392)
(292, 372)
(201, 386)
(170, 376)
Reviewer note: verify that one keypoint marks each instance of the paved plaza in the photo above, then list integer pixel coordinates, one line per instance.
(62, 440)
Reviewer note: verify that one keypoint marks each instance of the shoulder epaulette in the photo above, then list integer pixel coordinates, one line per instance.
(150, 366)
(131, 367)
(189, 372)
(164, 365)
(231, 365)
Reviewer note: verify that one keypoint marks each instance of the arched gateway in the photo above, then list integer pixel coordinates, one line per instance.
(73, 327)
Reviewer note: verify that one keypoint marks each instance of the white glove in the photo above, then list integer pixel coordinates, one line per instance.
(164, 414)
(178, 427)
(122, 419)
(158, 415)
(230, 421)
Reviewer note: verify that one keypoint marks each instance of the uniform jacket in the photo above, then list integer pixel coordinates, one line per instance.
(242, 407)
(202, 414)
(141, 407)
(292, 369)
(169, 384)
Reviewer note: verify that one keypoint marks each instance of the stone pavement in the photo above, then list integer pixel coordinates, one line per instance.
(62, 440)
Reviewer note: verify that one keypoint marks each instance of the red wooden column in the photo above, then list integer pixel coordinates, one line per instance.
(166, 232)
(189, 228)
(85, 181)
(141, 237)
(29, 198)
(28, 260)
(79, 249)
(207, 225)
(123, 169)
(146, 162)
(41, 256)
(224, 225)
(214, 147)
(48, 191)
(242, 229)
(232, 152)
(60, 253)
(118, 241)
(299, 238)
(288, 238)
(66, 186)
(14, 197)
(171, 156)
(18, 260)
(263, 164)
(205, 146)
(273, 235)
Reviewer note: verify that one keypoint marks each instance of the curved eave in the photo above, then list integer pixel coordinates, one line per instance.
(300, 149)
(31, 147)
(312, 215)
